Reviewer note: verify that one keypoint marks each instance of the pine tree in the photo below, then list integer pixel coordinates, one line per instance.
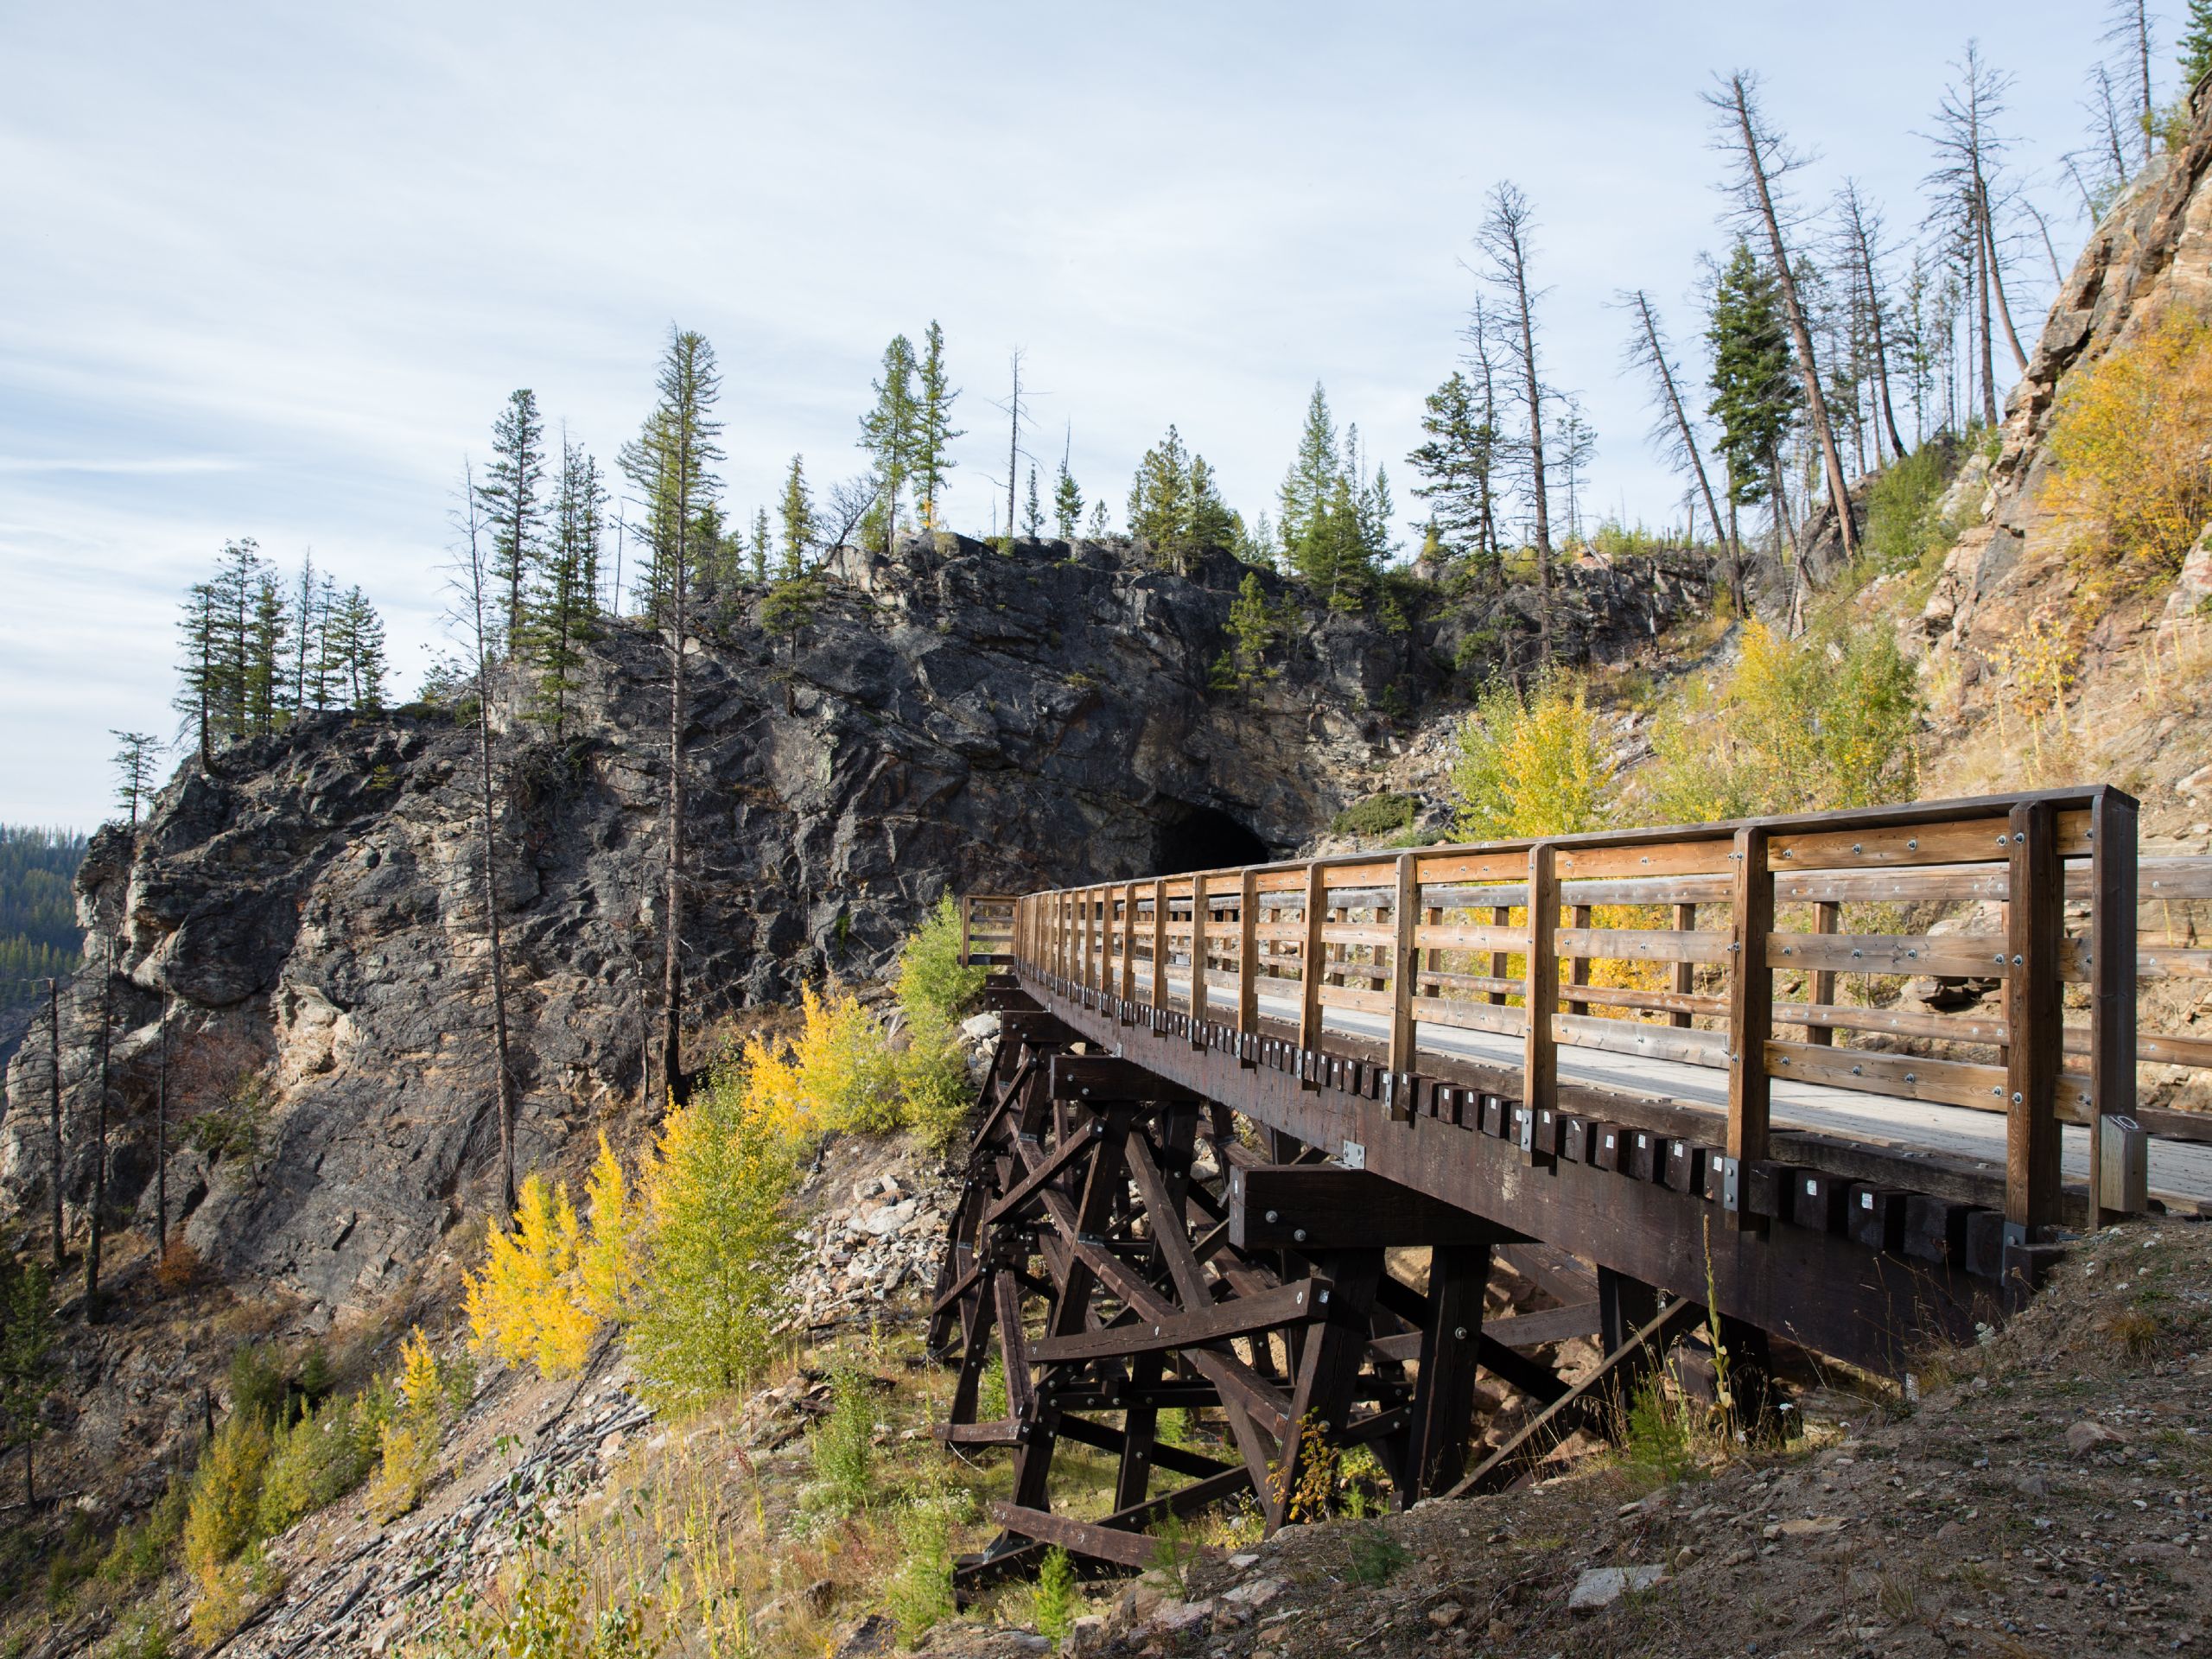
(266, 701)
(1254, 627)
(1755, 392)
(1033, 515)
(891, 431)
(1305, 487)
(308, 634)
(364, 660)
(1160, 500)
(135, 762)
(198, 692)
(1455, 467)
(669, 462)
(934, 430)
(511, 503)
(1067, 499)
(2196, 45)
(1101, 525)
(799, 529)
(564, 601)
(325, 661)
(758, 543)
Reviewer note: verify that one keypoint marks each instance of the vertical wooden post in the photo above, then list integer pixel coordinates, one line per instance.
(1751, 1016)
(1309, 965)
(1444, 1395)
(2112, 977)
(1129, 944)
(1198, 958)
(1500, 916)
(966, 918)
(1247, 951)
(1405, 960)
(1578, 966)
(1539, 1042)
(2034, 914)
(1090, 902)
(1826, 919)
(1160, 943)
(1685, 972)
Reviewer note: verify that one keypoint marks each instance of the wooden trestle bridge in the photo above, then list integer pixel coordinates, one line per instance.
(1665, 1074)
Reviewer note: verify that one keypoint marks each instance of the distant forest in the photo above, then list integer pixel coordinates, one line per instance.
(39, 935)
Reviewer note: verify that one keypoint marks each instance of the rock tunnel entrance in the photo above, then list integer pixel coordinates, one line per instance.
(1203, 838)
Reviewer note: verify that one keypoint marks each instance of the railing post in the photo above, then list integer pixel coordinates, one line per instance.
(1198, 959)
(2034, 914)
(1539, 1041)
(1086, 900)
(1247, 955)
(967, 913)
(2112, 978)
(1500, 916)
(1309, 970)
(1578, 966)
(1129, 944)
(1404, 962)
(1160, 943)
(1751, 1017)
(1820, 990)
(1685, 972)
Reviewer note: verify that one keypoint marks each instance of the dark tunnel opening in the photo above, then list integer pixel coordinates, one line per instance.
(1204, 838)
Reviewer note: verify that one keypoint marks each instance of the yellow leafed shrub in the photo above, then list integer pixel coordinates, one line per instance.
(1532, 766)
(409, 1440)
(2128, 440)
(549, 1285)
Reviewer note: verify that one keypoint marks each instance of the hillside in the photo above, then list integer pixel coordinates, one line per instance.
(39, 936)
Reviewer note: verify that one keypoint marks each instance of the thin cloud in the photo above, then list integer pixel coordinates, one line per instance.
(141, 466)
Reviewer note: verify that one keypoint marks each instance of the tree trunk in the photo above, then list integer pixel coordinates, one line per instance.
(1800, 333)
(671, 1049)
(490, 847)
(54, 1102)
(1681, 420)
(1981, 310)
(1997, 282)
(1881, 348)
(99, 1148)
(161, 1137)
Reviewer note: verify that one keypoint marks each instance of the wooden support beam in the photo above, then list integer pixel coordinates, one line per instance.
(1335, 1345)
(1247, 955)
(1310, 1207)
(1750, 1014)
(1198, 998)
(2034, 922)
(1097, 1078)
(1237, 1316)
(1584, 1406)
(1443, 1405)
(1116, 1538)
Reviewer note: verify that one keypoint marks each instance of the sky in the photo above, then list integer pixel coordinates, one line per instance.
(270, 271)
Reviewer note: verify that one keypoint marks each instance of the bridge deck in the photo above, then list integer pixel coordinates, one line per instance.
(2180, 1172)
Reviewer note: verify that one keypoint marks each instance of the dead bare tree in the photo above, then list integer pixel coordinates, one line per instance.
(2128, 27)
(1763, 161)
(847, 504)
(162, 1134)
(54, 1103)
(473, 616)
(1970, 154)
(1862, 247)
(1672, 431)
(1505, 237)
(100, 1140)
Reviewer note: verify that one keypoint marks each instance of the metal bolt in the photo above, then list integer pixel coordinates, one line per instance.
(2016, 1097)
(1459, 1333)
(1272, 1215)
(1298, 1235)
(2016, 961)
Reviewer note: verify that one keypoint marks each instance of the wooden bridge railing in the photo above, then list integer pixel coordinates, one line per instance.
(1668, 943)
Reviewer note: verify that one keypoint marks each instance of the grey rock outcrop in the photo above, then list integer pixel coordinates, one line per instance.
(950, 719)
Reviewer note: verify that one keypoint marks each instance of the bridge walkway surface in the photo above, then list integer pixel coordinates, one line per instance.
(1255, 1142)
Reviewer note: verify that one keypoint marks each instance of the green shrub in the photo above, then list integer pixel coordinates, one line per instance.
(143, 1550)
(257, 1382)
(1903, 527)
(934, 983)
(139, 1636)
(920, 1594)
(1376, 1555)
(1658, 1445)
(843, 1444)
(1532, 766)
(315, 1461)
(1378, 814)
(1054, 1602)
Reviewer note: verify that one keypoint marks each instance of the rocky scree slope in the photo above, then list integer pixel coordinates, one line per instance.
(948, 719)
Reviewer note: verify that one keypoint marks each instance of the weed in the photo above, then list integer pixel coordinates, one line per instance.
(1658, 1445)
(920, 1592)
(2135, 1331)
(1174, 1549)
(1376, 1555)
(141, 1551)
(1378, 814)
(843, 1444)
(1054, 1602)
(142, 1635)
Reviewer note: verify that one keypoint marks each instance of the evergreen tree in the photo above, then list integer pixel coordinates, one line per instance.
(2196, 45)
(1067, 502)
(1160, 500)
(1312, 475)
(1456, 466)
(1754, 380)
(308, 638)
(758, 544)
(669, 462)
(797, 511)
(934, 430)
(198, 669)
(891, 432)
(564, 602)
(325, 661)
(135, 763)
(512, 502)
(266, 701)
(1033, 515)
(1101, 525)
(363, 657)
(1254, 627)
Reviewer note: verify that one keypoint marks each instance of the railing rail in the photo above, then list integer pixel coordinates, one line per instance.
(1669, 943)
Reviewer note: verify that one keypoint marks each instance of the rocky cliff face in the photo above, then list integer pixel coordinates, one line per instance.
(2153, 252)
(948, 720)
